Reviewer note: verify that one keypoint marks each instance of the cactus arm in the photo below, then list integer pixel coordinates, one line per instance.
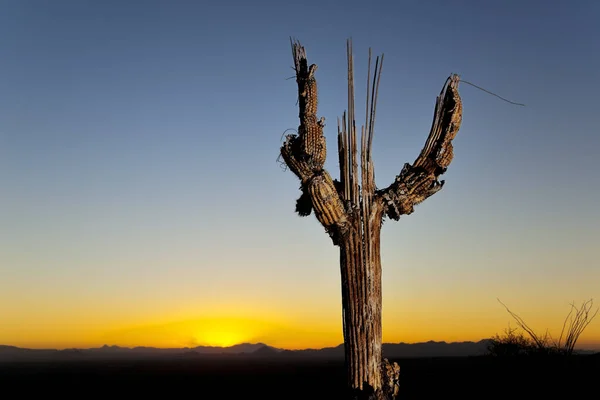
(305, 153)
(418, 181)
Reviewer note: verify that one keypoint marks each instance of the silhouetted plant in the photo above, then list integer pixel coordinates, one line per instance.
(514, 343)
(351, 208)
(511, 344)
(575, 324)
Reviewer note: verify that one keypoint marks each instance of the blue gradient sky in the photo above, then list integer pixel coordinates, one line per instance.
(140, 188)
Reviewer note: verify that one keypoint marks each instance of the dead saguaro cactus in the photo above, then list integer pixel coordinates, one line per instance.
(352, 212)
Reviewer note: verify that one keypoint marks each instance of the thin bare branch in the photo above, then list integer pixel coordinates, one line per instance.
(351, 125)
(539, 342)
(368, 101)
(374, 96)
(563, 327)
(347, 167)
(343, 160)
(578, 323)
(371, 131)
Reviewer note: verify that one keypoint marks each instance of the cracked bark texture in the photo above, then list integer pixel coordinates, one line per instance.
(352, 212)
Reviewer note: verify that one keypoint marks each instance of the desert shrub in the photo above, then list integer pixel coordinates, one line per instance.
(526, 342)
(511, 343)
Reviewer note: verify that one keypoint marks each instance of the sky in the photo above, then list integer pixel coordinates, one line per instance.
(142, 204)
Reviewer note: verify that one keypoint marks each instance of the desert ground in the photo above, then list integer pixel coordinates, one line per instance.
(274, 378)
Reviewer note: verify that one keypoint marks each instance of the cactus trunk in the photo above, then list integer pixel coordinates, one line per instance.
(360, 267)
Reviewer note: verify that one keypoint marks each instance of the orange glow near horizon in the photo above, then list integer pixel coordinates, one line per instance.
(228, 331)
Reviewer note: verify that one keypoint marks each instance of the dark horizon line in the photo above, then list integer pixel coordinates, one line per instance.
(232, 346)
(591, 346)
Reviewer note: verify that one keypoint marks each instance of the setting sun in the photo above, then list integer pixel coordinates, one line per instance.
(226, 331)
(220, 337)
(223, 333)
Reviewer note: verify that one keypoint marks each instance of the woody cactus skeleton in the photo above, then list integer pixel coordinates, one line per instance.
(352, 213)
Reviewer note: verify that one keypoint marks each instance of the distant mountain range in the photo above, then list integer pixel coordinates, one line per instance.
(390, 350)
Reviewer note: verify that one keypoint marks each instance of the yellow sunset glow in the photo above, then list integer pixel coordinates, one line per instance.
(224, 332)
(426, 323)
(222, 338)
